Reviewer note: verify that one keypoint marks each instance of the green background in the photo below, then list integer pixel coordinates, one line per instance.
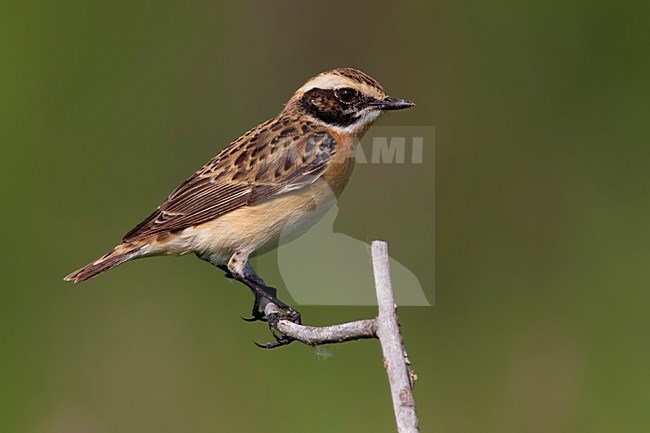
(542, 210)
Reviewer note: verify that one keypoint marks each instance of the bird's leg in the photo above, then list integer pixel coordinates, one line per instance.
(263, 294)
(260, 290)
(240, 270)
(260, 301)
(243, 272)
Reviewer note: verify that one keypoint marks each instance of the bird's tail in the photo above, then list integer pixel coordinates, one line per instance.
(119, 255)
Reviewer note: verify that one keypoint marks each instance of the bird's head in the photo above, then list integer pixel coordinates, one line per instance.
(344, 99)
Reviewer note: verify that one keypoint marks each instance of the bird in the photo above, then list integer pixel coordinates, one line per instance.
(267, 187)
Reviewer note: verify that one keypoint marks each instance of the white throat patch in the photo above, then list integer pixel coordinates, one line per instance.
(362, 122)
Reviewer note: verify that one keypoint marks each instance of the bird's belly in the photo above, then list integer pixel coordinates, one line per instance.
(260, 228)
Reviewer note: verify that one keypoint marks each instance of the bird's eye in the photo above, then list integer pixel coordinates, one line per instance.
(346, 95)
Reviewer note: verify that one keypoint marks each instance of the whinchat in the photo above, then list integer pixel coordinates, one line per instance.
(267, 187)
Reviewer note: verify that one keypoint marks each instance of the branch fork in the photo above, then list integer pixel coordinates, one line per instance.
(384, 327)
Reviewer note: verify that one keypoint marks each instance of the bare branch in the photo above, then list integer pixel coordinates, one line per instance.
(390, 338)
(315, 335)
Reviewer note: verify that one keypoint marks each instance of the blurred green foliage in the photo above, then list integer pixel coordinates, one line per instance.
(542, 210)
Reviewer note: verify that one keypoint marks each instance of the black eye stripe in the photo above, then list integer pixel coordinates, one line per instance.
(325, 105)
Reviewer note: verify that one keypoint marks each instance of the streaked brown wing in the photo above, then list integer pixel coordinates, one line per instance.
(267, 161)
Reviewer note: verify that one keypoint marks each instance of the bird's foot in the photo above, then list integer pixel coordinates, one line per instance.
(280, 339)
(265, 295)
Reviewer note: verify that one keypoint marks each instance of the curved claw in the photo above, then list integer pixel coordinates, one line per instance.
(258, 315)
(273, 345)
(268, 345)
(254, 319)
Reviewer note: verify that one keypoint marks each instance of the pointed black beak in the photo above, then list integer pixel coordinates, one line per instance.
(389, 103)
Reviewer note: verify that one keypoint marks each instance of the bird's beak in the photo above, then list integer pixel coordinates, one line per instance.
(389, 103)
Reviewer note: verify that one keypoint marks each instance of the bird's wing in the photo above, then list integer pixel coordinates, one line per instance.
(272, 159)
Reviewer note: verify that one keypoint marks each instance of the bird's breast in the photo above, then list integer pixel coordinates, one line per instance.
(340, 169)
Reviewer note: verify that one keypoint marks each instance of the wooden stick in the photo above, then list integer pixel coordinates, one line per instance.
(390, 338)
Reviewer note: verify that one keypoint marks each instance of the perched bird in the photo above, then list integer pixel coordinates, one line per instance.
(268, 186)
